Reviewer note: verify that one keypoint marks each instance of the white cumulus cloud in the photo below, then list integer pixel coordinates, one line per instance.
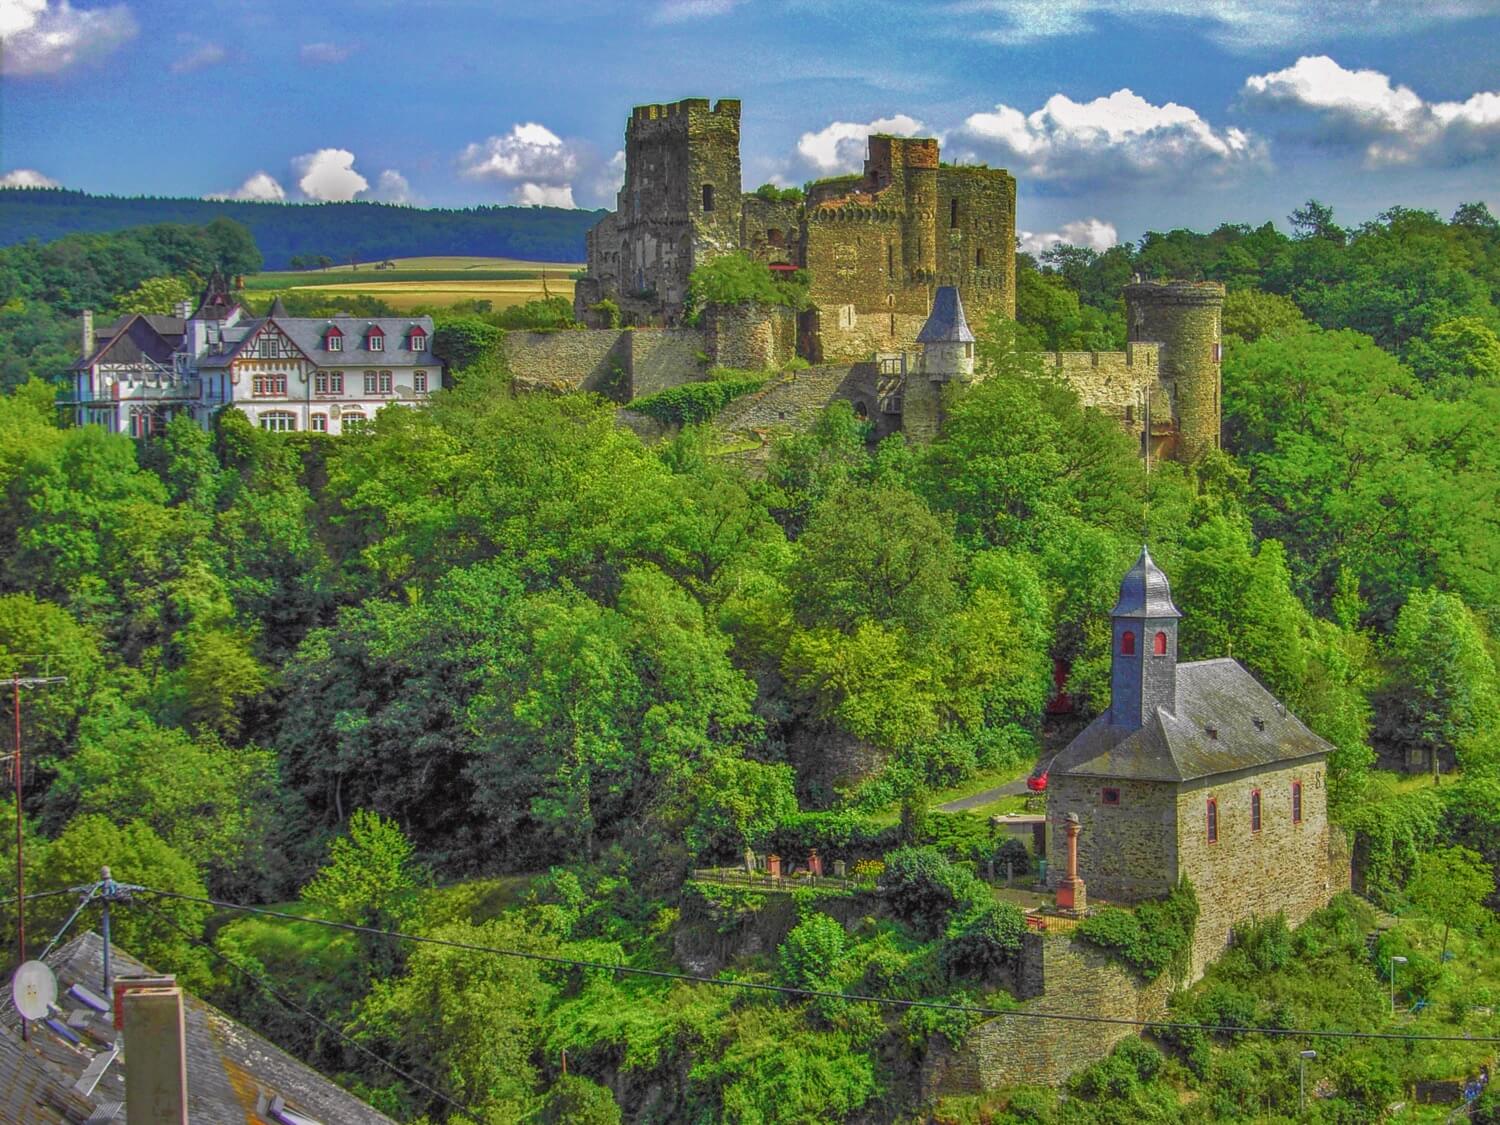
(1076, 144)
(324, 53)
(27, 178)
(392, 187)
(840, 146)
(260, 187)
(534, 162)
(328, 175)
(545, 195)
(1392, 123)
(43, 37)
(1096, 234)
(1237, 24)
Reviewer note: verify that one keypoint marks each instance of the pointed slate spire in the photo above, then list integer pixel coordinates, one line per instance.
(1143, 664)
(277, 308)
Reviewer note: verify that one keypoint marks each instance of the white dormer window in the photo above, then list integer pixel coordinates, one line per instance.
(375, 339)
(333, 339)
(418, 340)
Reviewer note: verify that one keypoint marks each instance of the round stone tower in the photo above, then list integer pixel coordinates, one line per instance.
(1184, 318)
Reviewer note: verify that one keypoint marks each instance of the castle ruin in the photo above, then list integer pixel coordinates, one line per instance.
(877, 249)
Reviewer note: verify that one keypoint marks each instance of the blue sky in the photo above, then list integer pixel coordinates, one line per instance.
(1116, 117)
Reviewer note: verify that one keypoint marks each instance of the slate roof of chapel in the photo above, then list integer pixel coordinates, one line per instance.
(1251, 730)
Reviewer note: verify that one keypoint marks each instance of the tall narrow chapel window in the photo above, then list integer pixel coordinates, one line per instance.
(708, 197)
(953, 212)
(1127, 643)
(1159, 644)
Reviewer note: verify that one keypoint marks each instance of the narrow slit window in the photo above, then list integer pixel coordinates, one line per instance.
(708, 197)
(1296, 802)
(953, 212)
(1213, 821)
(1255, 810)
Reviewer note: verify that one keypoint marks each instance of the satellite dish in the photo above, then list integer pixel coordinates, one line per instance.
(34, 990)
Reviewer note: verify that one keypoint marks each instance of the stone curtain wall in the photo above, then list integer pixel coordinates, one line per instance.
(618, 362)
(1286, 867)
(659, 358)
(1126, 852)
(1115, 383)
(1080, 980)
(567, 361)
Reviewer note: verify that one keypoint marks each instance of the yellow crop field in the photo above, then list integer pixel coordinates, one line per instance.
(406, 295)
(467, 262)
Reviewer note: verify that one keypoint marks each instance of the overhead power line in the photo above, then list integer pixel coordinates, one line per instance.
(819, 994)
(265, 986)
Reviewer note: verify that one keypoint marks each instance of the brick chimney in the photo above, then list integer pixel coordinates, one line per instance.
(88, 333)
(155, 1056)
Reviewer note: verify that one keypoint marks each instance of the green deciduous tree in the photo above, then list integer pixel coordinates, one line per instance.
(1450, 886)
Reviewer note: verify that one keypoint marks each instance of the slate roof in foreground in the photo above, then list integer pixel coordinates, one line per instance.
(229, 1067)
(1224, 722)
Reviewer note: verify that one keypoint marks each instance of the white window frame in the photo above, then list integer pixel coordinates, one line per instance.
(371, 382)
(375, 341)
(387, 383)
(318, 423)
(419, 382)
(419, 341)
(278, 417)
(333, 341)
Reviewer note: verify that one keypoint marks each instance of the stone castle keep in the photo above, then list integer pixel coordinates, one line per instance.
(878, 249)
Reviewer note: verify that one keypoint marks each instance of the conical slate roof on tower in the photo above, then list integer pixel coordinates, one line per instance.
(278, 307)
(946, 323)
(1144, 591)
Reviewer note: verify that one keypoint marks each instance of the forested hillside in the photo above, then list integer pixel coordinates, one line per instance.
(341, 231)
(497, 673)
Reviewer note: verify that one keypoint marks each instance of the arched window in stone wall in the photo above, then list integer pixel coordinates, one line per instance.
(1159, 644)
(1127, 643)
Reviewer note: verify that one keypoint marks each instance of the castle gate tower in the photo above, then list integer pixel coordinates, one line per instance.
(1184, 318)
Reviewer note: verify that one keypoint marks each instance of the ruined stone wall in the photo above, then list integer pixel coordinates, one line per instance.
(770, 230)
(1184, 318)
(1126, 852)
(1080, 979)
(590, 359)
(1286, 866)
(748, 336)
(659, 358)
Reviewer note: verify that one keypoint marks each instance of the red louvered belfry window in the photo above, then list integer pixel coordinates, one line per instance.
(1159, 644)
(1127, 643)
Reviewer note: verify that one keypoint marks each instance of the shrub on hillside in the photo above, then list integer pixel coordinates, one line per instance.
(1155, 937)
(694, 402)
(926, 889)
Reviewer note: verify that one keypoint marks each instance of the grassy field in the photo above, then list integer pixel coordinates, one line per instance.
(432, 281)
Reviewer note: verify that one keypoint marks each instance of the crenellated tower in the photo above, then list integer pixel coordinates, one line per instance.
(1184, 317)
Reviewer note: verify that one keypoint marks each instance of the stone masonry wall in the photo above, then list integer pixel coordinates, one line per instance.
(1287, 867)
(1014, 1050)
(1115, 383)
(659, 358)
(794, 400)
(1126, 852)
(590, 359)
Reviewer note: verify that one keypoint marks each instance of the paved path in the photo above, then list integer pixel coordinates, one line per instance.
(1014, 788)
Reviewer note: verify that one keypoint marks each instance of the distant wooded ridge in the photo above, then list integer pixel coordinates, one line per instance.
(341, 231)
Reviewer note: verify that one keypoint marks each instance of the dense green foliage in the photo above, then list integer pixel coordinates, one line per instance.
(500, 636)
(737, 279)
(363, 232)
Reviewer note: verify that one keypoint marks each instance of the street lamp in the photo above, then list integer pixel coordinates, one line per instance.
(1396, 960)
(1302, 1057)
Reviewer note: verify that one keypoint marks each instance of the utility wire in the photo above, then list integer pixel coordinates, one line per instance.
(31, 895)
(261, 983)
(817, 994)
